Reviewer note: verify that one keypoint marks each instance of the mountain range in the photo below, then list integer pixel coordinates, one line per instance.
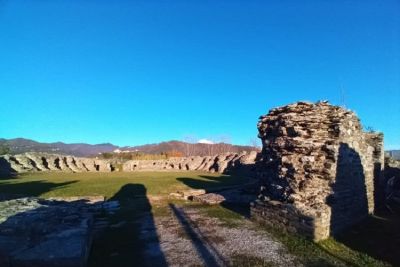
(22, 145)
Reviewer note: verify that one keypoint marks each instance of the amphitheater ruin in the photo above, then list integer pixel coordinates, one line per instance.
(318, 172)
(43, 162)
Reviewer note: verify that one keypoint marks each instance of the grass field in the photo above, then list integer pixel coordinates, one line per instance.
(144, 187)
(109, 184)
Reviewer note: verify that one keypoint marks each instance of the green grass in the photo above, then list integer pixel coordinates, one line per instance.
(377, 237)
(243, 260)
(110, 184)
(228, 217)
(121, 246)
(327, 253)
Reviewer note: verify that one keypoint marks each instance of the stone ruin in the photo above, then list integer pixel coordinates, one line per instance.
(32, 161)
(319, 172)
(392, 184)
(43, 162)
(53, 232)
(222, 163)
(318, 169)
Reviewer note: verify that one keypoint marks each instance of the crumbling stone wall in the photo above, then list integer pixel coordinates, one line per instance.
(318, 169)
(31, 162)
(223, 163)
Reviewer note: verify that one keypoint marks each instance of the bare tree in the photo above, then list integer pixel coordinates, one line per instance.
(255, 142)
(224, 143)
(211, 148)
(190, 145)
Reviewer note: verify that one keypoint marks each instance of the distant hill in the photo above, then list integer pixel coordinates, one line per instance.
(190, 149)
(22, 145)
(393, 153)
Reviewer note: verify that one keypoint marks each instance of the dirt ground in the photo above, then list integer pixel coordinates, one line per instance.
(186, 237)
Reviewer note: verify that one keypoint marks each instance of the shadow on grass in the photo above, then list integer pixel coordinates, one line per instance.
(242, 209)
(128, 244)
(377, 236)
(212, 182)
(33, 188)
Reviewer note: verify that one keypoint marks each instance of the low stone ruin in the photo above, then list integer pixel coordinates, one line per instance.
(392, 184)
(31, 162)
(223, 163)
(55, 232)
(318, 169)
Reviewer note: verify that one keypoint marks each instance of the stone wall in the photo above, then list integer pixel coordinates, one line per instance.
(391, 190)
(31, 162)
(318, 169)
(223, 163)
(39, 162)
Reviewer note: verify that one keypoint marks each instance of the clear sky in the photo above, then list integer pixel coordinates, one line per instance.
(134, 72)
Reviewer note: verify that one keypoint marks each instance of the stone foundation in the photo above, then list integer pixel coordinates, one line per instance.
(287, 217)
(318, 169)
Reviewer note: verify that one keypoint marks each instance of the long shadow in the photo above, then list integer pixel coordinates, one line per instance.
(10, 190)
(377, 236)
(118, 246)
(212, 181)
(129, 244)
(206, 251)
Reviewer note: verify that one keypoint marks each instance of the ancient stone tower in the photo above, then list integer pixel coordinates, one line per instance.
(318, 169)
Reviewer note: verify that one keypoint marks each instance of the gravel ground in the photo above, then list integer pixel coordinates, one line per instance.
(187, 237)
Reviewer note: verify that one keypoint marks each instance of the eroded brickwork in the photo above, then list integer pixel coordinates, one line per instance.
(318, 169)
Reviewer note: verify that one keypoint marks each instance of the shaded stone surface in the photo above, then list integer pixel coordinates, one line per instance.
(43, 233)
(392, 183)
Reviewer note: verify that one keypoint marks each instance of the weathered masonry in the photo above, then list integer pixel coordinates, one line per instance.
(43, 162)
(318, 169)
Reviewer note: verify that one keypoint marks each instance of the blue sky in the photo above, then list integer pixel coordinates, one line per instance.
(134, 72)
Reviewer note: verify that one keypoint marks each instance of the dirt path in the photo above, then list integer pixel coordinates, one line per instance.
(186, 237)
